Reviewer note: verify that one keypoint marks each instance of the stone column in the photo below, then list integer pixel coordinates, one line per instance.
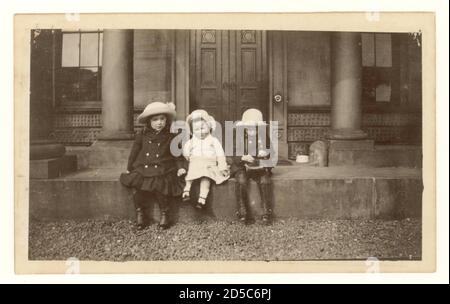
(117, 85)
(346, 86)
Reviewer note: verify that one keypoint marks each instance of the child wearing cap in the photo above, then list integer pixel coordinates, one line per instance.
(253, 160)
(206, 157)
(153, 171)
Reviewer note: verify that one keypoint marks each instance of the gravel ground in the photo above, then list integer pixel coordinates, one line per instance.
(290, 239)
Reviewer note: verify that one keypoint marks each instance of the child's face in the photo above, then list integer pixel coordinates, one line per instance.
(158, 122)
(200, 128)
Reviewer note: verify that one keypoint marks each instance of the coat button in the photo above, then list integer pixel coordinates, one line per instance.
(147, 154)
(146, 166)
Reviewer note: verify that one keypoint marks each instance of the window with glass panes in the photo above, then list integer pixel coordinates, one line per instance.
(378, 73)
(80, 70)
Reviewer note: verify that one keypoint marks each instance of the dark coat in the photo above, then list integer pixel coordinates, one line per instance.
(236, 164)
(150, 154)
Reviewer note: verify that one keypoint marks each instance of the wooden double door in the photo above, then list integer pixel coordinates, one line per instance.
(228, 72)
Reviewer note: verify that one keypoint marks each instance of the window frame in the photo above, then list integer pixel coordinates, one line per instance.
(395, 70)
(74, 105)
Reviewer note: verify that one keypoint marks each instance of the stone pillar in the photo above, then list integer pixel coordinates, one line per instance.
(346, 86)
(117, 85)
(348, 144)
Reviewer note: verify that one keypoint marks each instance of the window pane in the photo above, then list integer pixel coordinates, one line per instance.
(383, 50)
(368, 49)
(383, 85)
(70, 50)
(88, 84)
(100, 50)
(69, 84)
(369, 83)
(89, 49)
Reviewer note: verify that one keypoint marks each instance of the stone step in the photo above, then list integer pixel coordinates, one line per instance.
(299, 192)
(114, 154)
(379, 156)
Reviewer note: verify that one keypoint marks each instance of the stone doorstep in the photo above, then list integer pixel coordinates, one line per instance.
(379, 157)
(115, 155)
(347, 193)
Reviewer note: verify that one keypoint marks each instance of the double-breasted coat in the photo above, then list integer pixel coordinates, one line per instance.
(152, 165)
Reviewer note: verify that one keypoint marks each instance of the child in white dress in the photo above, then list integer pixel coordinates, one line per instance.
(206, 157)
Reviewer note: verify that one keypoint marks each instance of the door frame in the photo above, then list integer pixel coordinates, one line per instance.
(276, 52)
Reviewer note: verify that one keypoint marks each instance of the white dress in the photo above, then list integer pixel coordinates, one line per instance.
(206, 159)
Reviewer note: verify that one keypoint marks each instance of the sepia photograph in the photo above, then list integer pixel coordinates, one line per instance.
(211, 143)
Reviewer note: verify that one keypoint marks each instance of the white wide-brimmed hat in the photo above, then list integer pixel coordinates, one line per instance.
(252, 117)
(202, 114)
(156, 108)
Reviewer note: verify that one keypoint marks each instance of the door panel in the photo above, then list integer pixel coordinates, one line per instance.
(251, 91)
(228, 72)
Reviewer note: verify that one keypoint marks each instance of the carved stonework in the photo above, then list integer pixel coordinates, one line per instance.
(78, 120)
(309, 119)
(306, 133)
(248, 37)
(77, 136)
(208, 36)
(369, 119)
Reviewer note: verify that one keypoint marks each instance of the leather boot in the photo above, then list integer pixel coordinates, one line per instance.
(266, 195)
(140, 219)
(139, 203)
(241, 203)
(164, 222)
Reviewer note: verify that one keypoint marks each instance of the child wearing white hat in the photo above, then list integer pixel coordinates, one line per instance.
(153, 171)
(253, 162)
(206, 157)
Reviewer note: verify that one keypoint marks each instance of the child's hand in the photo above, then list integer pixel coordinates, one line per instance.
(127, 172)
(248, 158)
(181, 171)
(225, 173)
(263, 153)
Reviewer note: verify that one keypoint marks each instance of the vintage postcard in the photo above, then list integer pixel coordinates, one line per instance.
(225, 143)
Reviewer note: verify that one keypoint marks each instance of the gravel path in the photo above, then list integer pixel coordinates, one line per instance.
(290, 239)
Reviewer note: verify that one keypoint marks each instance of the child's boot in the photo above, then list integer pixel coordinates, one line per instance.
(241, 200)
(140, 219)
(139, 203)
(265, 191)
(164, 222)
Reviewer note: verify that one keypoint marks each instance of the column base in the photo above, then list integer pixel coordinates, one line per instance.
(347, 134)
(349, 152)
(115, 135)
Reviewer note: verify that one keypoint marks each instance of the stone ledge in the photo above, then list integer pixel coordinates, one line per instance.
(386, 194)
